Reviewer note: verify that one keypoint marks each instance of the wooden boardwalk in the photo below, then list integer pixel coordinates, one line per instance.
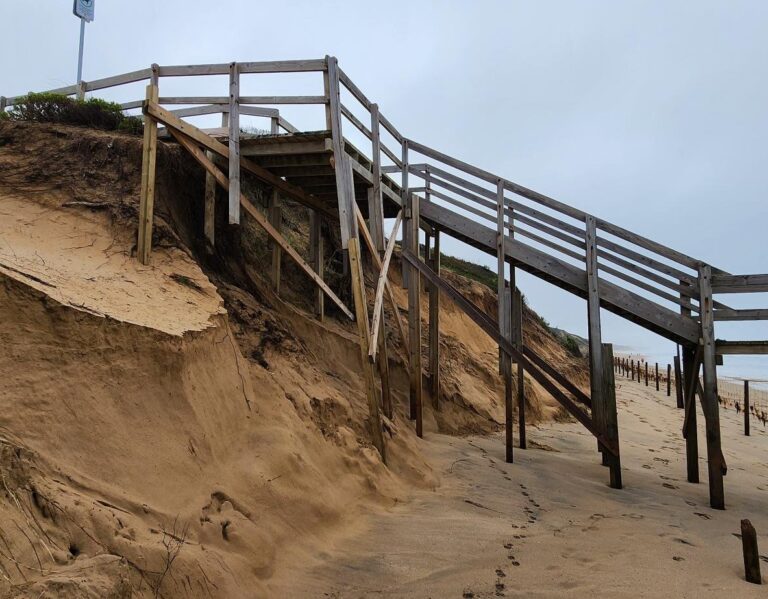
(432, 194)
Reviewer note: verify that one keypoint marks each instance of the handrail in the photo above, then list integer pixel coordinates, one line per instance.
(652, 265)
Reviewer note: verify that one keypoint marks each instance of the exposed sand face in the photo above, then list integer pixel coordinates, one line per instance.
(549, 525)
(76, 257)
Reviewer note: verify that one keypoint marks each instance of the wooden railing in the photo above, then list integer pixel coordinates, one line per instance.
(659, 273)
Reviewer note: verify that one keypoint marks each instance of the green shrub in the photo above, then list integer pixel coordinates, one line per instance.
(571, 346)
(56, 108)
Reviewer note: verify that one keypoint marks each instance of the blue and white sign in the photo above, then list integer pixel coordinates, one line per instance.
(84, 9)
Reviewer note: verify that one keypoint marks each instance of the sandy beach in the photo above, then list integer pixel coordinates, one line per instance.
(549, 525)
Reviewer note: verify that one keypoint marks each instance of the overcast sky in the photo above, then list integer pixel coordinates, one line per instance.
(650, 114)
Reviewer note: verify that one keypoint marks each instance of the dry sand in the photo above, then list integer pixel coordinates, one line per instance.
(549, 526)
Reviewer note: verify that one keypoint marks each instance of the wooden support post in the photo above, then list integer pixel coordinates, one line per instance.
(504, 302)
(690, 378)
(646, 374)
(434, 327)
(80, 95)
(746, 408)
(317, 259)
(234, 144)
(414, 307)
(678, 383)
(710, 405)
(383, 362)
(361, 316)
(657, 376)
(209, 213)
(274, 125)
(669, 380)
(275, 216)
(345, 190)
(148, 171)
(3, 103)
(405, 202)
(610, 418)
(596, 374)
(375, 199)
(751, 553)
(517, 339)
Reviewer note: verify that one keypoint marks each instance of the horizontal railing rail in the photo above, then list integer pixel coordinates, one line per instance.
(660, 273)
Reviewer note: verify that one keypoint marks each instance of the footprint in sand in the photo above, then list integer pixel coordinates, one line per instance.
(669, 486)
(677, 558)
(500, 573)
(691, 503)
(703, 516)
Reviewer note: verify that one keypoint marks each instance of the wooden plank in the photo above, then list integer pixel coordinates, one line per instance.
(715, 459)
(557, 376)
(280, 100)
(505, 326)
(517, 338)
(434, 327)
(287, 126)
(691, 361)
(376, 201)
(292, 148)
(355, 121)
(200, 110)
(193, 100)
(344, 184)
(491, 328)
(234, 145)
(317, 259)
(503, 304)
(596, 371)
(378, 302)
(209, 213)
(354, 90)
(414, 309)
(275, 217)
(725, 283)
(361, 317)
(260, 111)
(391, 128)
(116, 80)
(148, 172)
(742, 348)
(749, 314)
(405, 203)
(223, 180)
(610, 417)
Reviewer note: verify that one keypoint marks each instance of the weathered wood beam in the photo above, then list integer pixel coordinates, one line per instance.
(710, 404)
(234, 144)
(381, 286)
(361, 313)
(275, 217)
(434, 327)
(610, 416)
(596, 361)
(148, 172)
(317, 259)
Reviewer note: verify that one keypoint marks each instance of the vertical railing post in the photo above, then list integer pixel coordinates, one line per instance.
(669, 380)
(596, 370)
(517, 339)
(715, 459)
(689, 382)
(344, 185)
(80, 94)
(404, 201)
(234, 144)
(434, 323)
(375, 200)
(414, 293)
(148, 171)
(505, 299)
(274, 125)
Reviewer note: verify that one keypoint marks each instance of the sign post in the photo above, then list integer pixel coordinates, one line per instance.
(84, 10)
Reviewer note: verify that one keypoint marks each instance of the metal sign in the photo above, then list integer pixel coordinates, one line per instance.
(84, 9)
